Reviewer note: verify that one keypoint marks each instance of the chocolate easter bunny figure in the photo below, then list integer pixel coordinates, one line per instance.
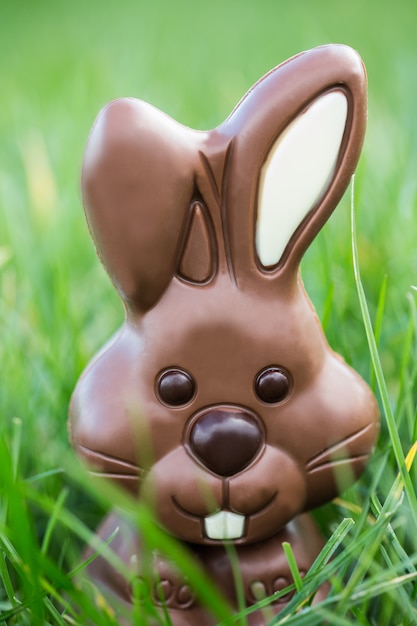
(219, 401)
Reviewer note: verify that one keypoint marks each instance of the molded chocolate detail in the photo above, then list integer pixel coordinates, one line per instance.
(225, 440)
(185, 596)
(216, 175)
(163, 591)
(175, 387)
(197, 262)
(258, 591)
(278, 585)
(272, 385)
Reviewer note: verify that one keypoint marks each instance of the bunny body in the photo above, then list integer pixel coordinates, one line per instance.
(219, 401)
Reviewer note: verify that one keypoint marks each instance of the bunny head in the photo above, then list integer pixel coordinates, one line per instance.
(219, 401)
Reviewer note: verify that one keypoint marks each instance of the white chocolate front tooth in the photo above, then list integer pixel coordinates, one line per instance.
(224, 525)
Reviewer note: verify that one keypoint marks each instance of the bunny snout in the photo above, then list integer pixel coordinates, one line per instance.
(225, 440)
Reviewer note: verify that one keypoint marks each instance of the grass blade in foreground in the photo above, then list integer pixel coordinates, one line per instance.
(389, 416)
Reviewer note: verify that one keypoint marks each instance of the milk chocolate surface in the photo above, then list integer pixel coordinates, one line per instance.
(219, 401)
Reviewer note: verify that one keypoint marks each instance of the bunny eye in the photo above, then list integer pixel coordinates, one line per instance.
(175, 387)
(272, 384)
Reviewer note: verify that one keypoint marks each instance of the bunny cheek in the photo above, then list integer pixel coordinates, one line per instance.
(345, 444)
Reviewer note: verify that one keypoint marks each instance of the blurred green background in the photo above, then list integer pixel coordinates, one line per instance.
(60, 62)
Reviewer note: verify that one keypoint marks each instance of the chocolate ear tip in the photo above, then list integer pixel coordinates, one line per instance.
(339, 49)
(346, 55)
(112, 125)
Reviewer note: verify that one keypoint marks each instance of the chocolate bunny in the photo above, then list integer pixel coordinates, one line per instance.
(219, 401)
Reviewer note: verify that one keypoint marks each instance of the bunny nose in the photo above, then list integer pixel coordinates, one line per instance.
(225, 440)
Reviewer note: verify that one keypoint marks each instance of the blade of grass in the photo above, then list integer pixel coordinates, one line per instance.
(295, 572)
(378, 322)
(332, 544)
(405, 559)
(7, 581)
(16, 445)
(53, 520)
(392, 503)
(317, 575)
(238, 581)
(389, 416)
(59, 620)
(407, 373)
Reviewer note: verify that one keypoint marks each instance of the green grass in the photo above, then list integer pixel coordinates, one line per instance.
(59, 64)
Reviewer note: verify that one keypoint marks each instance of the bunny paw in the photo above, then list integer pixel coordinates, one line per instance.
(169, 593)
(260, 589)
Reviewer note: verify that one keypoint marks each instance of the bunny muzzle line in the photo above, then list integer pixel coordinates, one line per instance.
(219, 401)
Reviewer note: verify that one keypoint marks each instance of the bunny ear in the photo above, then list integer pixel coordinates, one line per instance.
(137, 188)
(297, 172)
(298, 135)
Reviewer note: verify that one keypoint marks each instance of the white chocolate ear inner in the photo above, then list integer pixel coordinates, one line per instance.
(297, 172)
